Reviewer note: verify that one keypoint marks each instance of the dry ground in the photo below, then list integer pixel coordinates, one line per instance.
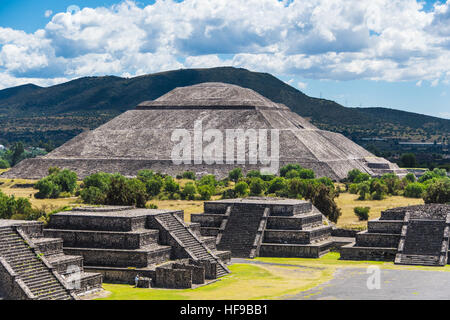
(347, 202)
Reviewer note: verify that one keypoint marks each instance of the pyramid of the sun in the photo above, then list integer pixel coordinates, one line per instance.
(142, 138)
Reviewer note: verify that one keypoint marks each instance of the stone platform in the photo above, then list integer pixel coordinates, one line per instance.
(407, 235)
(266, 227)
(122, 242)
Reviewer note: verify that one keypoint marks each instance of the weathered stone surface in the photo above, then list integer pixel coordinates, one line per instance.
(141, 138)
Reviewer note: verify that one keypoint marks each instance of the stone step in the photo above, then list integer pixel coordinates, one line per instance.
(105, 239)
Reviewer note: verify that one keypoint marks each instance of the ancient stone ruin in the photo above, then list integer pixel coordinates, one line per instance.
(266, 227)
(122, 242)
(142, 138)
(415, 235)
(115, 244)
(34, 267)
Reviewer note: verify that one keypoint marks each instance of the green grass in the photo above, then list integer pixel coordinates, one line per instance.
(256, 282)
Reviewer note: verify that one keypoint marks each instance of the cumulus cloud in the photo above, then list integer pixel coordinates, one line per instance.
(390, 40)
(48, 13)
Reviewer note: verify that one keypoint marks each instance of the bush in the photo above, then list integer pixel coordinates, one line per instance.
(284, 170)
(93, 195)
(4, 164)
(363, 190)
(123, 191)
(357, 176)
(170, 185)
(306, 174)
(58, 181)
(414, 190)
(292, 174)
(241, 189)
(322, 198)
(410, 177)
(205, 192)
(353, 188)
(229, 194)
(254, 174)
(47, 189)
(18, 208)
(145, 175)
(154, 186)
(256, 187)
(438, 192)
(235, 174)
(276, 184)
(362, 213)
(100, 180)
(189, 175)
(392, 182)
(189, 191)
(378, 189)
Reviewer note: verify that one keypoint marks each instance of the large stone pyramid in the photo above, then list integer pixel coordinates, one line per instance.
(141, 138)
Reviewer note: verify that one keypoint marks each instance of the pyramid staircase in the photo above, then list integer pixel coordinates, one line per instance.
(423, 242)
(266, 227)
(38, 279)
(191, 244)
(242, 232)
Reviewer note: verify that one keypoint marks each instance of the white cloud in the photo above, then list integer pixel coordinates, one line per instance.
(319, 39)
(48, 13)
(302, 85)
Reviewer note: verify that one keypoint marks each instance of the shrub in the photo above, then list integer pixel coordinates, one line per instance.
(123, 191)
(170, 185)
(353, 188)
(229, 194)
(4, 164)
(292, 174)
(58, 181)
(254, 174)
(362, 213)
(438, 192)
(276, 184)
(392, 182)
(47, 189)
(93, 195)
(100, 180)
(189, 191)
(205, 192)
(357, 176)
(241, 189)
(145, 175)
(378, 189)
(18, 208)
(306, 174)
(235, 174)
(189, 175)
(284, 170)
(363, 190)
(410, 177)
(322, 198)
(256, 186)
(414, 190)
(296, 188)
(154, 186)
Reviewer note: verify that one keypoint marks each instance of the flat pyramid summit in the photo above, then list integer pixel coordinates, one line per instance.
(142, 138)
(212, 94)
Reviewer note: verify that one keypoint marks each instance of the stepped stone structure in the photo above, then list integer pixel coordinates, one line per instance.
(122, 242)
(266, 227)
(415, 235)
(142, 138)
(33, 267)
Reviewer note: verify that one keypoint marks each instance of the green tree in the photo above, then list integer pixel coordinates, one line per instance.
(241, 189)
(17, 153)
(408, 160)
(170, 185)
(414, 190)
(189, 191)
(284, 170)
(362, 213)
(205, 192)
(256, 187)
(4, 164)
(438, 192)
(235, 174)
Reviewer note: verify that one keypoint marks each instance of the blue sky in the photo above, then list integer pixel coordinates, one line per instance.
(359, 53)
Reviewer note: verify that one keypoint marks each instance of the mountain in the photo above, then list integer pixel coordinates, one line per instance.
(31, 114)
